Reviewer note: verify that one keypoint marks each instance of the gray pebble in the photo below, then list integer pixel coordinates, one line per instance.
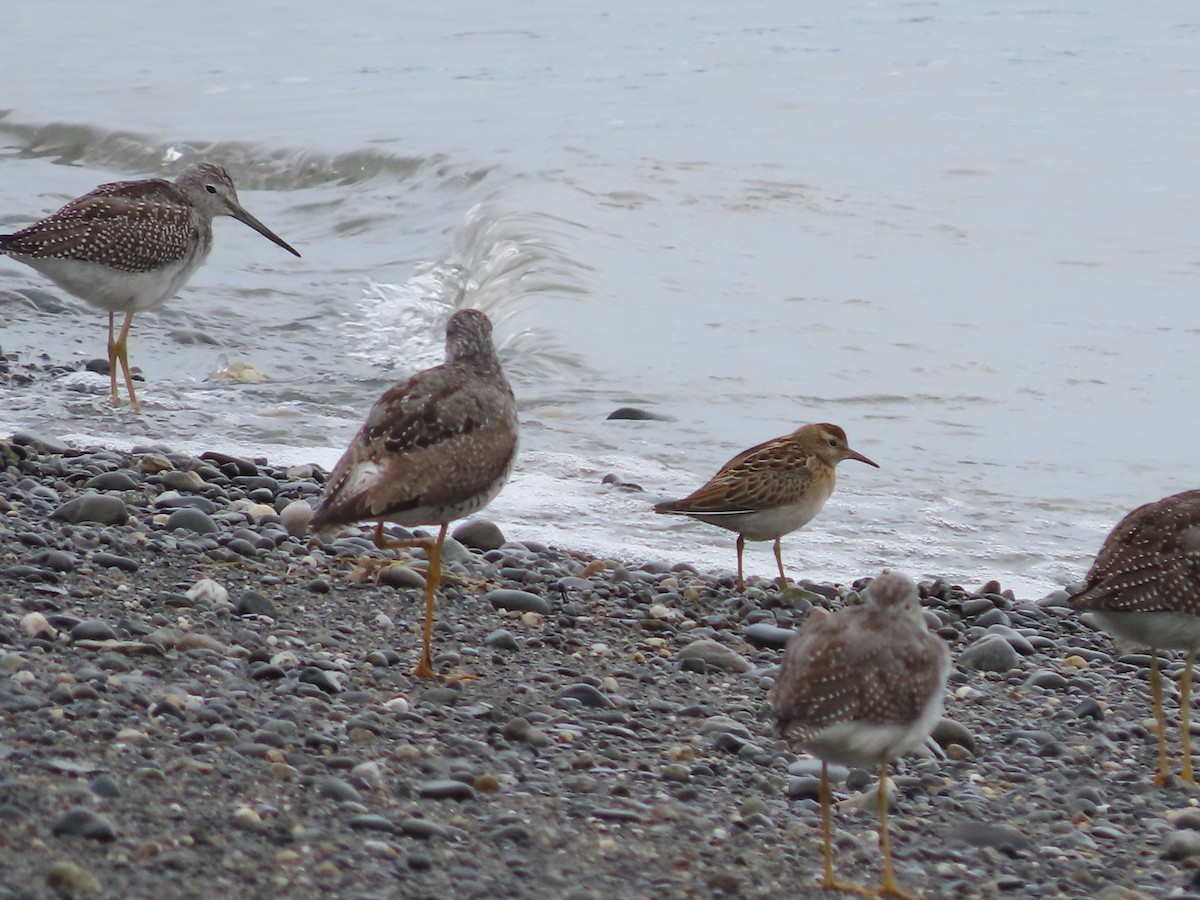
(716, 655)
(91, 507)
(193, 520)
(586, 695)
(763, 634)
(402, 577)
(446, 789)
(1046, 678)
(947, 732)
(335, 789)
(80, 821)
(502, 639)
(252, 603)
(93, 630)
(519, 601)
(479, 534)
(991, 653)
(520, 729)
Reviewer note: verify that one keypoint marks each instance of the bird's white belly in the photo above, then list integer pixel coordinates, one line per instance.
(866, 745)
(112, 289)
(767, 524)
(1168, 630)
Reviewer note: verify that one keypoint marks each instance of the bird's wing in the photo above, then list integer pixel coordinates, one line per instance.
(129, 226)
(755, 479)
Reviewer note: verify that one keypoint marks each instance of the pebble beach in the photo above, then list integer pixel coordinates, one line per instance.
(200, 700)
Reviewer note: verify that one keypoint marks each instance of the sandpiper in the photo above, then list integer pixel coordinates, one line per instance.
(129, 245)
(434, 448)
(772, 489)
(861, 687)
(1144, 587)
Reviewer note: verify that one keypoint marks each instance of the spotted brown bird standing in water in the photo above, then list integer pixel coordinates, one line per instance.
(129, 245)
(434, 448)
(1144, 587)
(861, 687)
(772, 489)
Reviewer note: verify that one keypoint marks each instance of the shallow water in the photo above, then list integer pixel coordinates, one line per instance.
(964, 233)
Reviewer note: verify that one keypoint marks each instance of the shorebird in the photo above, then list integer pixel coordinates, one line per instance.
(861, 687)
(772, 489)
(1144, 587)
(434, 448)
(129, 245)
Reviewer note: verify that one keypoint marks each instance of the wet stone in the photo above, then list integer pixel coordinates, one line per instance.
(502, 639)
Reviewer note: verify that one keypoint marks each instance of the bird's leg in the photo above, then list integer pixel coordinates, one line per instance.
(424, 669)
(1160, 718)
(779, 562)
(826, 827)
(829, 882)
(889, 887)
(113, 399)
(433, 575)
(1185, 717)
(741, 545)
(121, 349)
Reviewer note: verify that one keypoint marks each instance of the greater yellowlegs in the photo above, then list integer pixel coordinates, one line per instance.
(861, 687)
(1144, 587)
(129, 245)
(434, 448)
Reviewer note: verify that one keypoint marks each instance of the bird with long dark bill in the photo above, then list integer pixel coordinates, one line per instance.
(128, 246)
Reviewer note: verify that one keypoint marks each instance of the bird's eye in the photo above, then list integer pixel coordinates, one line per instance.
(211, 188)
(833, 442)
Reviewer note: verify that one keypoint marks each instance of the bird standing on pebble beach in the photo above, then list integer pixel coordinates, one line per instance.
(434, 448)
(772, 489)
(861, 687)
(1144, 587)
(128, 246)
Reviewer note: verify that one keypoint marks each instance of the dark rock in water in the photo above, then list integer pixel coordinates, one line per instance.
(40, 442)
(100, 508)
(613, 480)
(634, 414)
(83, 822)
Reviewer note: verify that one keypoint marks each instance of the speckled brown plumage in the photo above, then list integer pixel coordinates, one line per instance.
(771, 489)
(1144, 587)
(860, 687)
(434, 448)
(128, 246)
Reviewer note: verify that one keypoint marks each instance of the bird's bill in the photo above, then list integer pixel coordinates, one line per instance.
(854, 454)
(246, 219)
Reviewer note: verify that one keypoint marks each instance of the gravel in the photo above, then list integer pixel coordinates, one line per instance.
(197, 700)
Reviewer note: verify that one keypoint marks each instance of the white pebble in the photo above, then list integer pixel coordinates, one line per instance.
(207, 589)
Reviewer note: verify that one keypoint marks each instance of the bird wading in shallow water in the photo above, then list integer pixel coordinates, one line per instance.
(1144, 587)
(434, 448)
(861, 687)
(772, 489)
(129, 245)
